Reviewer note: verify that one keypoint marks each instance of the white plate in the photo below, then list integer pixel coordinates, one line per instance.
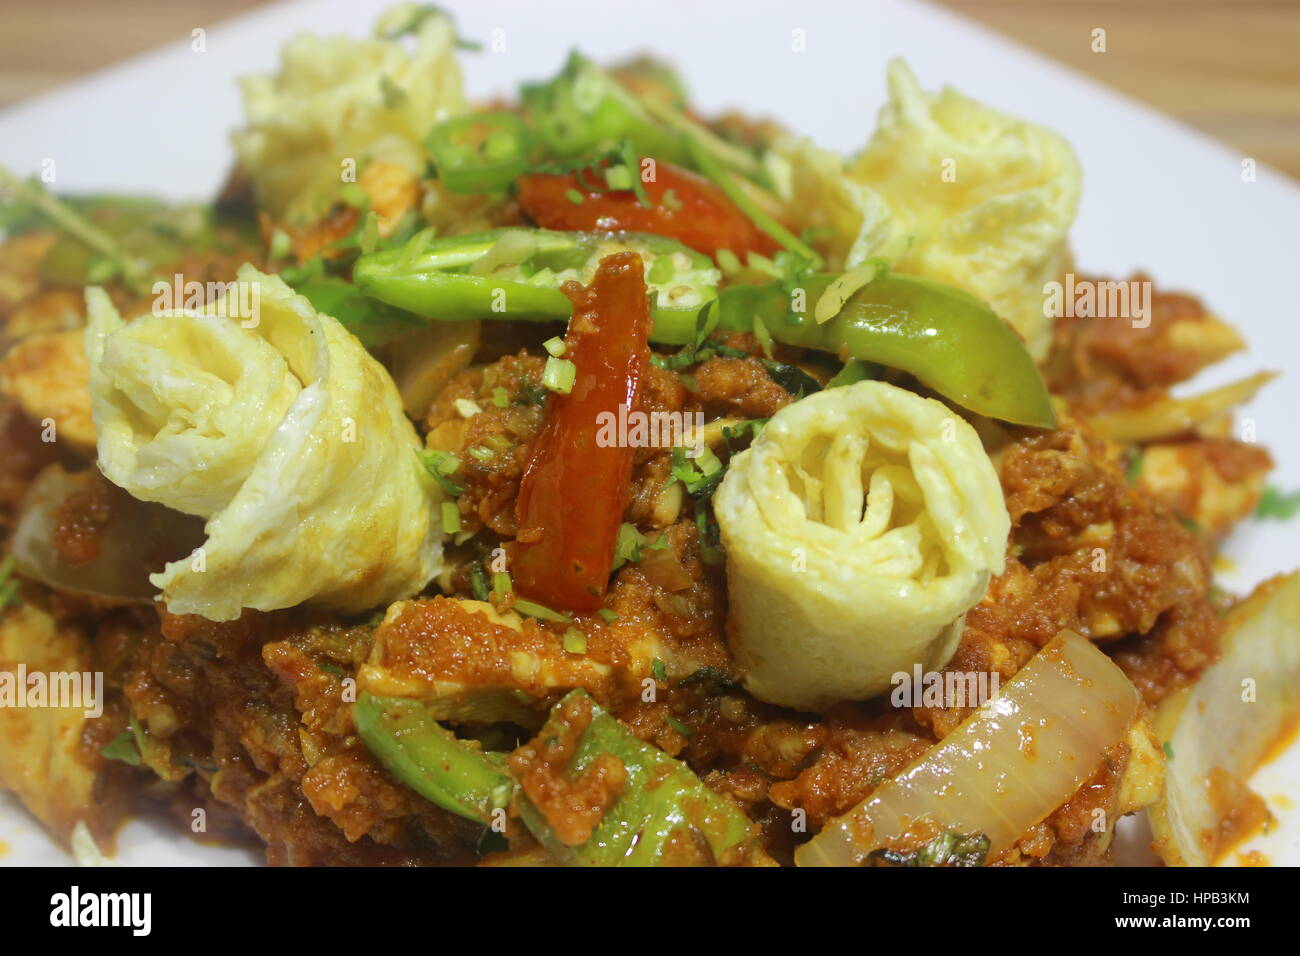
(1157, 196)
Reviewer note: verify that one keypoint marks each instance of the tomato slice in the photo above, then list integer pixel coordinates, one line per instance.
(574, 490)
(698, 214)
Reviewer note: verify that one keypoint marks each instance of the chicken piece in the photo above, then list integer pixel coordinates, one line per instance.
(48, 375)
(48, 755)
(1212, 483)
(1102, 364)
(467, 661)
(57, 310)
(20, 260)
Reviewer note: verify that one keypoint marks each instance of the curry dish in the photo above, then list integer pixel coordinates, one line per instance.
(581, 480)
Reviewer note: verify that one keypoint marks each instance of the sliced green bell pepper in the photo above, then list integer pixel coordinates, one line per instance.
(664, 816)
(949, 340)
(430, 759)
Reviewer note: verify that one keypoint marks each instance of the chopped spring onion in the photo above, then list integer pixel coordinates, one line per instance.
(575, 642)
(607, 614)
(559, 375)
(480, 453)
(540, 611)
(500, 397)
(450, 518)
(501, 583)
(573, 196)
(555, 346)
(442, 465)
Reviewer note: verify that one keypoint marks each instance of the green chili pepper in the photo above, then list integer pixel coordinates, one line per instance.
(583, 109)
(435, 278)
(855, 370)
(371, 321)
(664, 816)
(479, 153)
(949, 340)
(430, 759)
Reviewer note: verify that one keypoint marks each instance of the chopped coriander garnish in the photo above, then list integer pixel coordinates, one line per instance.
(123, 748)
(1278, 505)
(658, 670)
(442, 465)
(1134, 469)
(450, 518)
(628, 545)
(1168, 749)
(699, 480)
(559, 375)
(678, 726)
(534, 393)
(573, 196)
(732, 433)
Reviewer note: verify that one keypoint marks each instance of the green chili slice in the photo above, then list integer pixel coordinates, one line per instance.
(479, 153)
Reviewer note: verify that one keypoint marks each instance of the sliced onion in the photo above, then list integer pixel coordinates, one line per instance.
(1171, 416)
(423, 361)
(1228, 720)
(1006, 768)
(139, 537)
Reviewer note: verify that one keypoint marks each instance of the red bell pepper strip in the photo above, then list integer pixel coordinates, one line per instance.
(698, 214)
(574, 491)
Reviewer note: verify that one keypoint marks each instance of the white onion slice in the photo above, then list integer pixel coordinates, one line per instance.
(1228, 720)
(138, 537)
(1007, 767)
(1170, 416)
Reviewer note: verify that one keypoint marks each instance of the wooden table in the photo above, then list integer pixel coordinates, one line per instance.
(1229, 67)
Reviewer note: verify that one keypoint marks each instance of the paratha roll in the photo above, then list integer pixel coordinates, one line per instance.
(272, 422)
(859, 528)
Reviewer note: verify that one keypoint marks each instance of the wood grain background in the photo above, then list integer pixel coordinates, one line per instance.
(1229, 67)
